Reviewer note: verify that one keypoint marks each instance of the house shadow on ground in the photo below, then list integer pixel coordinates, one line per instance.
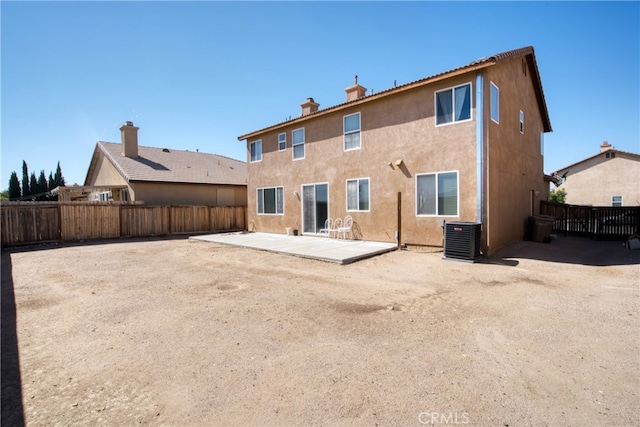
(12, 410)
(568, 250)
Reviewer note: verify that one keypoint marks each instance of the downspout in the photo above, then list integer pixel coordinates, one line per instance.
(480, 147)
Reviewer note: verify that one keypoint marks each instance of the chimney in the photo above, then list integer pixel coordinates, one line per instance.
(605, 146)
(356, 91)
(129, 140)
(309, 106)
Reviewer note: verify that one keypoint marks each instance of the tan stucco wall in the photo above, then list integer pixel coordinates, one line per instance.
(596, 180)
(184, 194)
(399, 127)
(402, 126)
(106, 173)
(515, 177)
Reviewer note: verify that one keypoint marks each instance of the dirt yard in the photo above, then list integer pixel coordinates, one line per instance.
(188, 333)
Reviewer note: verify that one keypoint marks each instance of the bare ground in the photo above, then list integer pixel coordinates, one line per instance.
(189, 333)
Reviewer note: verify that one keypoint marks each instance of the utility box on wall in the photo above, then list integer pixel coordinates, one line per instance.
(462, 241)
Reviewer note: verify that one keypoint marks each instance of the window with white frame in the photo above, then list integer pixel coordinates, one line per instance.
(616, 201)
(495, 103)
(358, 194)
(521, 121)
(282, 141)
(256, 150)
(542, 143)
(297, 137)
(437, 194)
(270, 201)
(351, 132)
(453, 104)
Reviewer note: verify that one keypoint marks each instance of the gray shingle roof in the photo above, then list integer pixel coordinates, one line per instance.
(169, 165)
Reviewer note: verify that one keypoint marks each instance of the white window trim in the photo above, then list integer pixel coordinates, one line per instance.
(345, 133)
(303, 143)
(285, 141)
(457, 194)
(522, 122)
(452, 89)
(269, 188)
(621, 200)
(346, 185)
(252, 143)
(493, 85)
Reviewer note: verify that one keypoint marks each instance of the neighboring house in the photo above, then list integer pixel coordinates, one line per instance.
(609, 178)
(462, 145)
(162, 176)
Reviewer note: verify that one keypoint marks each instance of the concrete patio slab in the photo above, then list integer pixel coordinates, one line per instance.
(320, 248)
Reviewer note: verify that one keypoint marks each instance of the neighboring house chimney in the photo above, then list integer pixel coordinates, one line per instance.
(605, 146)
(356, 91)
(129, 140)
(309, 106)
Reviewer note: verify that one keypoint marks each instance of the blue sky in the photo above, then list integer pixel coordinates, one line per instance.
(196, 75)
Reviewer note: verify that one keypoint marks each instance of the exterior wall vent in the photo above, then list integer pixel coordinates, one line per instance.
(462, 241)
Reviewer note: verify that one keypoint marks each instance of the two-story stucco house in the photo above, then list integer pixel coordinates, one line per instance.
(161, 176)
(462, 145)
(608, 178)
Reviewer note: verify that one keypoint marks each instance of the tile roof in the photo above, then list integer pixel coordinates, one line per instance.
(527, 52)
(169, 165)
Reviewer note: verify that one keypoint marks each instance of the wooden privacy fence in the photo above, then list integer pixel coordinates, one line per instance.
(33, 222)
(604, 222)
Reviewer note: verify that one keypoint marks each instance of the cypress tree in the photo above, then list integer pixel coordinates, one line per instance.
(58, 178)
(14, 186)
(52, 183)
(43, 186)
(33, 185)
(26, 190)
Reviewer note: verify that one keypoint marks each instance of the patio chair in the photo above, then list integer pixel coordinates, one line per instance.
(346, 227)
(328, 228)
(337, 224)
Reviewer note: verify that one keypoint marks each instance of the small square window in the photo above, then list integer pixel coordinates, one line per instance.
(256, 150)
(358, 194)
(616, 201)
(453, 104)
(437, 194)
(351, 124)
(270, 201)
(297, 137)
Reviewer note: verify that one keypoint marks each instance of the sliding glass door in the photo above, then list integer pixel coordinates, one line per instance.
(315, 207)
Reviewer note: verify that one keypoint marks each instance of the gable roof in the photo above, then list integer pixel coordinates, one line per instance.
(526, 52)
(633, 156)
(168, 165)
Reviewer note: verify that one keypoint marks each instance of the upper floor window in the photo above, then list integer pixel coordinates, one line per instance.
(358, 194)
(351, 132)
(616, 201)
(282, 141)
(495, 103)
(437, 194)
(256, 150)
(453, 104)
(521, 121)
(297, 137)
(270, 200)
